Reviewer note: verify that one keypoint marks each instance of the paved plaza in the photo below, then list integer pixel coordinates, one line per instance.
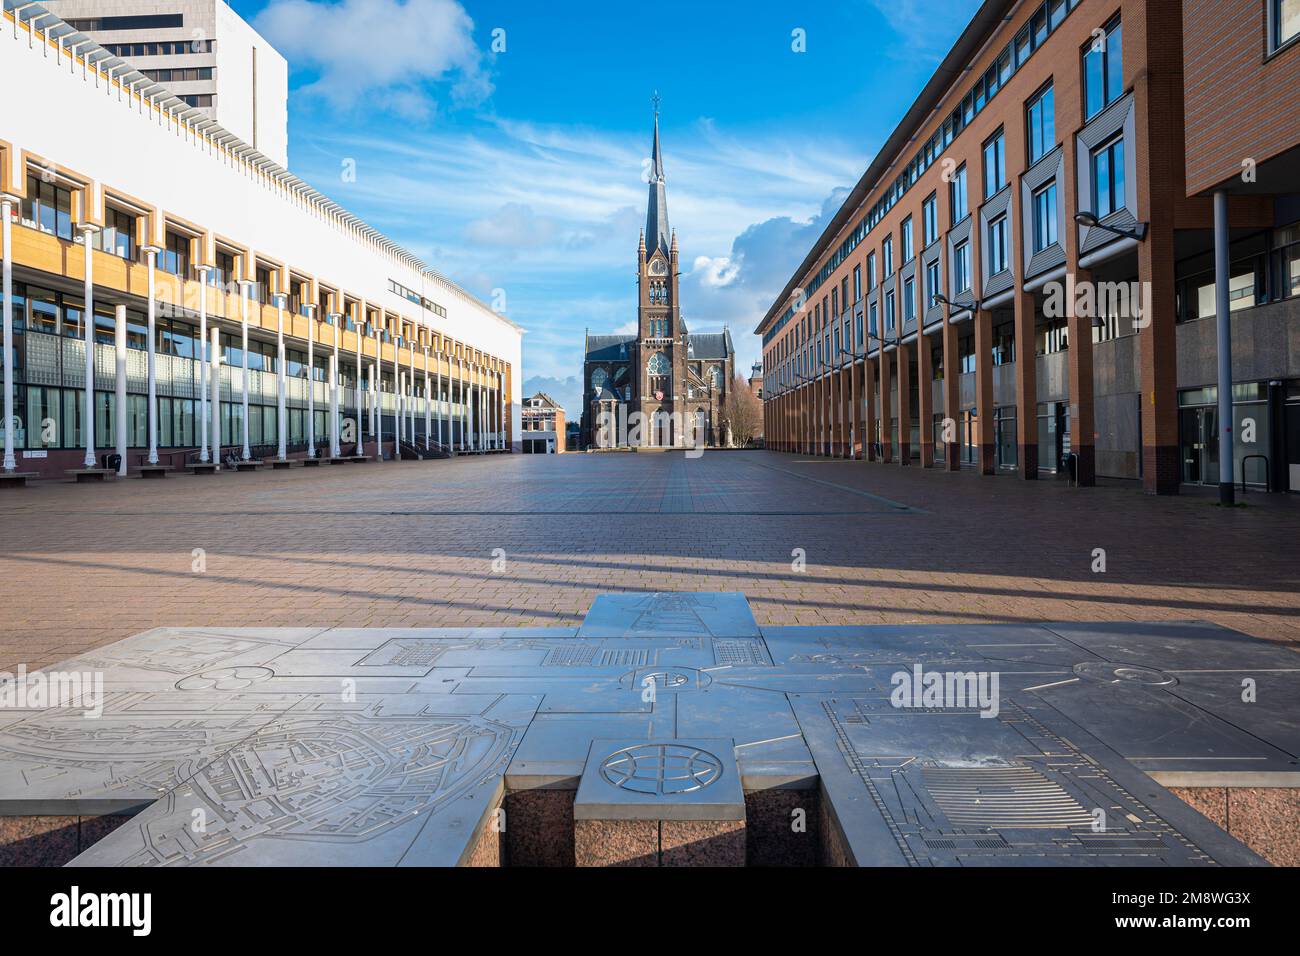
(808, 541)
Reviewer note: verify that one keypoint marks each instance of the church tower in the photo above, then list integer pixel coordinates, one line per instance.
(659, 327)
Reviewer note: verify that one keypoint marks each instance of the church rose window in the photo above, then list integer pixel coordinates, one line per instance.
(598, 378)
(658, 365)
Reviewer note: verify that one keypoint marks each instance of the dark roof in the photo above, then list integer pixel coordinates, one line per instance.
(658, 234)
(986, 20)
(545, 398)
(608, 348)
(710, 345)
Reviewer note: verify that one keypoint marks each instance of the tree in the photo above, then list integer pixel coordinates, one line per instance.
(742, 413)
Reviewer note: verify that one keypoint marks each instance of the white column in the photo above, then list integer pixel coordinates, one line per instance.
(335, 449)
(410, 408)
(311, 381)
(7, 204)
(375, 411)
(151, 254)
(203, 361)
(281, 411)
(214, 353)
(503, 408)
(464, 409)
(399, 422)
(119, 386)
(243, 390)
(444, 411)
(397, 394)
(379, 397)
(88, 324)
(361, 395)
(428, 404)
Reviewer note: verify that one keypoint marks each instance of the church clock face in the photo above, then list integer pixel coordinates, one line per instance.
(657, 268)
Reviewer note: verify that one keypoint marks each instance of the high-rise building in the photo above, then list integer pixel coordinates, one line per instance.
(203, 52)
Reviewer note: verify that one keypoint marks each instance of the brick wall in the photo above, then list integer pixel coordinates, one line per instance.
(1237, 102)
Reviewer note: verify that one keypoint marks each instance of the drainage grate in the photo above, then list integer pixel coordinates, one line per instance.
(1003, 798)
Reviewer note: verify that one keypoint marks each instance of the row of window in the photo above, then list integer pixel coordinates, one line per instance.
(48, 207)
(188, 74)
(163, 48)
(45, 311)
(155, 21)
(48, 418)
(1108, 190)
(1045, 20)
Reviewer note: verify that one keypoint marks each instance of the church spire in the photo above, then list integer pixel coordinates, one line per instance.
(657, 231)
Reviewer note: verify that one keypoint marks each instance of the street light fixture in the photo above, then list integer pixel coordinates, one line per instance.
(941, 299)
(1090, 221)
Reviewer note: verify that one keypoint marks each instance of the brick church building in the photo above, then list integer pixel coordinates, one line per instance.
(676, 380)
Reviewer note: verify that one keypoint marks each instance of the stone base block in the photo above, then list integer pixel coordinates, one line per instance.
(539, 828)
(616, 842)
(781, 828)
(1266, 819)
(51, 840)
(702, 843)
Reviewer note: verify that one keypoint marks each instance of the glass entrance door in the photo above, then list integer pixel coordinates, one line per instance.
(1199, 436)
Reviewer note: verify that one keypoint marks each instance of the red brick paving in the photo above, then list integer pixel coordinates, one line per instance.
(410, 544)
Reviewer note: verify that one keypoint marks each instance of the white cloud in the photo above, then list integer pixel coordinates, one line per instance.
(717, 272)
(389, 52)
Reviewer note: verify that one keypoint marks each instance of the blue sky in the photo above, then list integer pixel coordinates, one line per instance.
(521, 169)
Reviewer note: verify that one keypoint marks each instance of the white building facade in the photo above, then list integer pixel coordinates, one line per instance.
(192, 232)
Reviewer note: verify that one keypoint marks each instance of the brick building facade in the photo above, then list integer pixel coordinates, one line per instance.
(1024, 276)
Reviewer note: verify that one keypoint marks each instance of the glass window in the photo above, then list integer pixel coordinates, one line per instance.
(1055, 13)
(1041, 120)
(931, 282)
(1108, 178)
(48, 207)
(906, 235)
(929, 220)
(43, 311)
(1288, 262)
(998, 245)
(1023, 48)
(1286, 21)
(961, 267)
(1103, 70)
(957, 200)
(1044, 211)
(117, 238)
(995, 164)
(871, 271)
(176, 255)
(889, 311)
(887, 256)
(909, 300)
